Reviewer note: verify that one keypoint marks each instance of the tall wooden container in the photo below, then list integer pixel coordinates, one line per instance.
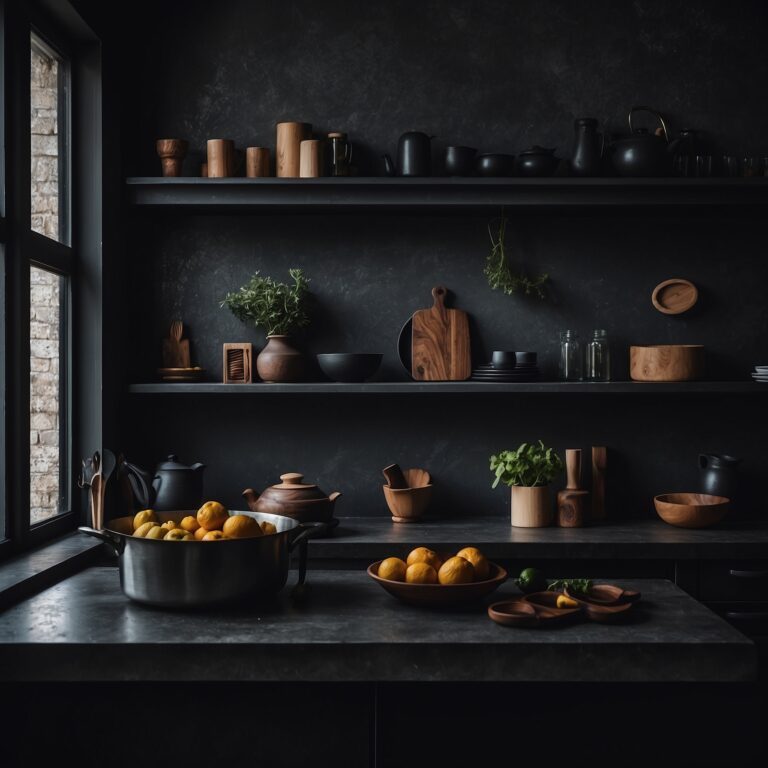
(288, 148)
(531, 507)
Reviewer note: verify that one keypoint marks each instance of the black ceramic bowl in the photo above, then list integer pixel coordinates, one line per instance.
(349, 366)
(495, 165)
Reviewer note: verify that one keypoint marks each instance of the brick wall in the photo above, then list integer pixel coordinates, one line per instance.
(45, 296)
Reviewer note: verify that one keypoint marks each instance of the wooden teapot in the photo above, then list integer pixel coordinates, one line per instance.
(293, 498)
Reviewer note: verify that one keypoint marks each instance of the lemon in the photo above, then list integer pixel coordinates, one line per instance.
(393, 568)
(241, 527)
(456, 570)
(156, 532)
(424, 555)
(145, 516)
(189, 523)
(178, 534)
(420, 573)
(213, 536)
(477, 558)
(563, 601)
(143, 529)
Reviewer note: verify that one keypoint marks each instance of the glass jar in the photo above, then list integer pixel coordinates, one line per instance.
(570, 356)
(598, 358)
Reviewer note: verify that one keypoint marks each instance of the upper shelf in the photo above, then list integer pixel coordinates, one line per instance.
(455, 387)
(387, 193)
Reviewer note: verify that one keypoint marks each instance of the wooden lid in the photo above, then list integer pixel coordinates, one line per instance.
(292, 482)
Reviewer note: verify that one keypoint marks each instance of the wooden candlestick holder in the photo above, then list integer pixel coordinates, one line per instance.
(172, 153)
(572, 502)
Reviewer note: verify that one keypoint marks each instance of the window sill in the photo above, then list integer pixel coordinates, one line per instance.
(31, 572)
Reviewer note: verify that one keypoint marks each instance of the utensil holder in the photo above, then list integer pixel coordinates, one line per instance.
(256, 162)
(311, 158)
(221, 158)
(288, 148)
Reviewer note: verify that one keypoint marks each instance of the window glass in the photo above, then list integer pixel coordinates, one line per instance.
(48, 122)
(48, 494)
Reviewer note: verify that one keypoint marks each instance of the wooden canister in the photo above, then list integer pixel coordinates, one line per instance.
(221, 158)
(172, 153)
(288, 148)
(311, 158)
(531, 507)
(666, 362)
(256, 162)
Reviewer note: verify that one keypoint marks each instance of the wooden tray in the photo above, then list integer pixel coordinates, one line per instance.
(439, 594)
(535, 610)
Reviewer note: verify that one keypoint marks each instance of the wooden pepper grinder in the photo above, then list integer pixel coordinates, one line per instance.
(572, 502)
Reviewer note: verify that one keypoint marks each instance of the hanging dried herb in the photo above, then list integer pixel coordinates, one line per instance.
(499, 271)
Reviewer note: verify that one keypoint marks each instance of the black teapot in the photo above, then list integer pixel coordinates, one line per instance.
(641, 153)
(172, 486)
(414, 156)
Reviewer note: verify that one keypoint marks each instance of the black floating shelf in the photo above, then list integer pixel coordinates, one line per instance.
(453, 387)
(386, 193)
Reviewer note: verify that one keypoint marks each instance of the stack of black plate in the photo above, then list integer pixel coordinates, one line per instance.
(526, 369)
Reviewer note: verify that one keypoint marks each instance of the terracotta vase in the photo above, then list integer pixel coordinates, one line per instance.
(531, 507)
(279, 362)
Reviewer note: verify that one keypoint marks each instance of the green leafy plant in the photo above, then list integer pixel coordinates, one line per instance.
(530, 465)
(276, 307)
(579, 586)
(499, 271)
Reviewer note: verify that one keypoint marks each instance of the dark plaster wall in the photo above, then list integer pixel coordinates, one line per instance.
(496, 75)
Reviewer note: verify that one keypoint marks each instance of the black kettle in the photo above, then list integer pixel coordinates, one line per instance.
(641, 153)
(172, 486)
(414, 156)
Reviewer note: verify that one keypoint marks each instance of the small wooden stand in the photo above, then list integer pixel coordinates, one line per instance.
(572, 502)
(238, 368)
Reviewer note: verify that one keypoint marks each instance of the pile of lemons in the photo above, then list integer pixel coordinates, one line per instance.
(211, 523)
(425, 566)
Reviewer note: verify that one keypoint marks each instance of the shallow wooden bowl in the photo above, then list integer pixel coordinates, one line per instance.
(440, 594)
(407, 505)
(514, 613)
(691, 510)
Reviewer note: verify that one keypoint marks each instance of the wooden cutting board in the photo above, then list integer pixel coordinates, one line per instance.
(176, 349)
(440, 349)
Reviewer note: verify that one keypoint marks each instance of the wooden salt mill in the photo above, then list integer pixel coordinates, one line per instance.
(572, 502)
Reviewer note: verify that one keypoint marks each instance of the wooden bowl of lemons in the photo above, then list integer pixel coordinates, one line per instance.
(429, 578)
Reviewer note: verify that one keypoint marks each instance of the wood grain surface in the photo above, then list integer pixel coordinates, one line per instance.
(440, 342)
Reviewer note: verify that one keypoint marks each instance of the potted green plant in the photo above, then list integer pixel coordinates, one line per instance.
(528, 472)
(278, 309)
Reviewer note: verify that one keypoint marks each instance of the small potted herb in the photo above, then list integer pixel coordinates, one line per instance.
(528, 472)
(278, 309)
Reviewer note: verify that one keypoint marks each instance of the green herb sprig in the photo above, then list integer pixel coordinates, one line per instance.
(499, 272)
(579, 586)
(275, 307)
(530, 465)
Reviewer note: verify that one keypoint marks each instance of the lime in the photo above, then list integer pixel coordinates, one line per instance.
(531, 580)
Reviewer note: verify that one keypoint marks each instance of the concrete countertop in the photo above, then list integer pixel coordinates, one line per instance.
(371, 538)
(349, 629)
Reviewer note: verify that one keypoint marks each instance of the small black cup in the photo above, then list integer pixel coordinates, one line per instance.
(503, 361)
(459, 161)
(525, 357)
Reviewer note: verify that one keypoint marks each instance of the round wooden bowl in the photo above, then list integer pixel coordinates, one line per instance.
(675, 296)
(691, 510)
(407, 505)
(440, 594)
(666, 362)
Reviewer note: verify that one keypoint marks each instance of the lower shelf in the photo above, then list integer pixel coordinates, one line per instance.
(453, 387)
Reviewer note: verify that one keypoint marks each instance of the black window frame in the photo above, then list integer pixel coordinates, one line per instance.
(61, 28)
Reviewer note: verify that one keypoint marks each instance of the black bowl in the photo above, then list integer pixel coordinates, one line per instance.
(349, 366)
(495, 165)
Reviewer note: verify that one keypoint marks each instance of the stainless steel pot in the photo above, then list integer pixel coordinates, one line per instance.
(179, 574)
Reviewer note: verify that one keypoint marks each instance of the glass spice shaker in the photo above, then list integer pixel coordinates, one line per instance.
(598, 358)
(570, 356)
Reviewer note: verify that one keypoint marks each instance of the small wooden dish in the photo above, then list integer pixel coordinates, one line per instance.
(181, 374)
(606, 594)
(675, 296)
(691, 510)
(514, 613)
(547, 611)
(601, 612)
(439, 594)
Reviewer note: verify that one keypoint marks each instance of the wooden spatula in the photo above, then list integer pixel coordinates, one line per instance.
(440, 349)
(176, 349)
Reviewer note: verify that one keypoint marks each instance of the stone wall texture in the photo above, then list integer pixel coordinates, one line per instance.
(45, 296)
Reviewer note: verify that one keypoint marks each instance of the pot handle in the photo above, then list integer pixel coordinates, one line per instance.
(309, 531)
(117, 545)
(653, 112)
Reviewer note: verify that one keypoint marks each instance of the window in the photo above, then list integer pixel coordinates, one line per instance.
(42, 245)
